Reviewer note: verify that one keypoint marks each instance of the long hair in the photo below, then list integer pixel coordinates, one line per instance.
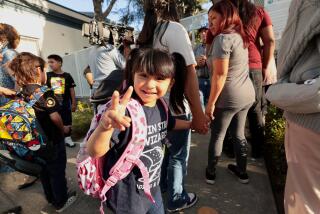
(10, 34)
(156, 10)
(161, 65)
(231, 21)
(24, 68)
(246, 10)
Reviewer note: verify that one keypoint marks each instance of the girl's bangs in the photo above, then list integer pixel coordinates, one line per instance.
(157, 64)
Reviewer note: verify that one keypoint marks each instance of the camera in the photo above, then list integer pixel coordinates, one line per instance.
(99, 32)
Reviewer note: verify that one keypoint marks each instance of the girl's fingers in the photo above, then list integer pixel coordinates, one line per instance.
(119, 120)
(115, 100)
(127, 96)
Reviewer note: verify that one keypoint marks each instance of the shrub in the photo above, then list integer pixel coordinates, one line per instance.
(81, 120)
(275, 153)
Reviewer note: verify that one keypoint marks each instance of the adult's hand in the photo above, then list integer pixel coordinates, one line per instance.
(210, 110)
(200, 124)
(7, 92)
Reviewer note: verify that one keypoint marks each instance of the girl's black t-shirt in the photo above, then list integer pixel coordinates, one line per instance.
(128, 194)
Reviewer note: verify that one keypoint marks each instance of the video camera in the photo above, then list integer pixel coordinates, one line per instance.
(99, 32)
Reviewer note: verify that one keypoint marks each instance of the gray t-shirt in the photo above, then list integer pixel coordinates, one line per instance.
(238, 90)
(102, 61)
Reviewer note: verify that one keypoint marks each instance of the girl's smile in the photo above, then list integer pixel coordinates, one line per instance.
(150, 88)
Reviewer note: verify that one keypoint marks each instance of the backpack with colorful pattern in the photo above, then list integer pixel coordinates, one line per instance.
(90, 170)
(20, 131)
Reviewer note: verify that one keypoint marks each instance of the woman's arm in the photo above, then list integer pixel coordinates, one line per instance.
(182, 124)
(192, 94)
(219, 76)
(268, 40)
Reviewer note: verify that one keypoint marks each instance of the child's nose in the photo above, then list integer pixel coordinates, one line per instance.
(151, 83)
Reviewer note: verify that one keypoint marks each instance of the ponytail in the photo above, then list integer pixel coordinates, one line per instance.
(177, 91)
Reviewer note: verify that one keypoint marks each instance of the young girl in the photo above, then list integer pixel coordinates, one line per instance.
(151, 73)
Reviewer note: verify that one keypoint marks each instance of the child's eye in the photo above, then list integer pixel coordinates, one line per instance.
(143, 75)
(160, 78)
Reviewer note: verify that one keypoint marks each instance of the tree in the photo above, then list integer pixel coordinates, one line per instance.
(134, 9)
(98, 12)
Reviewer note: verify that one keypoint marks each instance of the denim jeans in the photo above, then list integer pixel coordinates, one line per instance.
(157, 207)
(176, 167)
(204, 90)
(255, 117)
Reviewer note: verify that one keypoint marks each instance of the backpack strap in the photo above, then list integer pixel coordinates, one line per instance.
(131, 155)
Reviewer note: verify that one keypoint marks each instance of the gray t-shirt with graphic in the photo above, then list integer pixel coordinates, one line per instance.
(238, 90)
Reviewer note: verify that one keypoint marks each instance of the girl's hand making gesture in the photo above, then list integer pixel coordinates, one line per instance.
(115, 117)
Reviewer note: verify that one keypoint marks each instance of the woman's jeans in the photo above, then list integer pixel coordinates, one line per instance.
(255, 116)
(174, 167)
(204, 90)
(235, 119)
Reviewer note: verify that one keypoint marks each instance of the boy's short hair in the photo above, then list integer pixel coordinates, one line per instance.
(24, 68)
(56, 57)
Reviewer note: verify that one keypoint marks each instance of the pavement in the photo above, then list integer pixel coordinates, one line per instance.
(226, 196)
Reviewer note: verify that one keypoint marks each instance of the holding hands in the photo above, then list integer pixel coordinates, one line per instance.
(115, 117)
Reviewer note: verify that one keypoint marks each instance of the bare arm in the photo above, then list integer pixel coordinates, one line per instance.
(182, 124)
(73, 99)
(217, 83)
(98, 143)
(268, 40)
(192, 94)
(7, 92)
(56, 119)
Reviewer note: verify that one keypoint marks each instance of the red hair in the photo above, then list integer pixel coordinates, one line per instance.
(231, 21)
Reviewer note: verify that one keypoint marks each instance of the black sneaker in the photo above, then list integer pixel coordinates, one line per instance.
(193, 200)
(72, 197)
(210, 178)
(242, 177)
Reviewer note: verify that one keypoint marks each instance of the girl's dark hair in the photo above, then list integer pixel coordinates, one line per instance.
(24, 67)
(246, 10)
(231, 21)
(156, 10)
(161, 65)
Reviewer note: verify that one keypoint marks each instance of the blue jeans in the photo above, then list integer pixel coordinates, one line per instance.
(176, 167)
(157, 207)
(204, 89)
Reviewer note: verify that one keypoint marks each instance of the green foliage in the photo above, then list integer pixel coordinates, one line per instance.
(275, 153)
(81, 120)
(275, 125)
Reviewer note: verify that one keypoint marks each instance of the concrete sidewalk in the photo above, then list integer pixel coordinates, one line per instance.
(227, 196)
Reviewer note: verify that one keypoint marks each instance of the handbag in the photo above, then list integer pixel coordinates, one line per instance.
(302, 97)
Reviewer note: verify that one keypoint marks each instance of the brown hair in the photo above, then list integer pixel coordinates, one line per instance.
(10, 34)
(165, 10)
(24, 68)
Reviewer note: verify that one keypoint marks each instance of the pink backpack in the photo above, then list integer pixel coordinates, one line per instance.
(90, 170)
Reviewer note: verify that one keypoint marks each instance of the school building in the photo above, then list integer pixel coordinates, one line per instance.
(46, 28)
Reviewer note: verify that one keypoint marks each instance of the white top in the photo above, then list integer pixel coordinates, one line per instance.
(176, 39)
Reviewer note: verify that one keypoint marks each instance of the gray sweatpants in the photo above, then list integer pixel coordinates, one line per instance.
(236, 119)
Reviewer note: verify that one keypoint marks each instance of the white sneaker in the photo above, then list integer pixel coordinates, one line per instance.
(68, 141)
(72, 197)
